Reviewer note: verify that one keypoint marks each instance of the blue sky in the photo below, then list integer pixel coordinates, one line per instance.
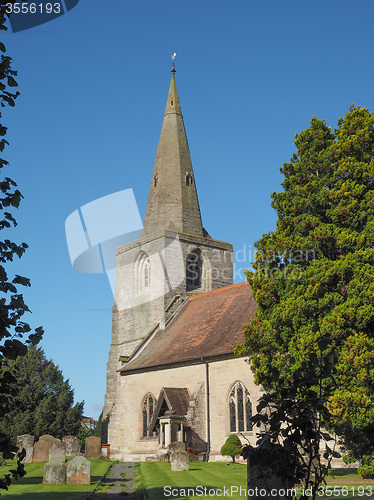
(94, 82)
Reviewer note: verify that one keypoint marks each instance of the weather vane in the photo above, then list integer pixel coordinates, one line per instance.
(172, 58)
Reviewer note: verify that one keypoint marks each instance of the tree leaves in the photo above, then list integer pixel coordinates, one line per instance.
(12, 82)
(45, 402)
(13, 330)
(313, 280)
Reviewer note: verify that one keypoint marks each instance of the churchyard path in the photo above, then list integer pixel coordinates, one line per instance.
(119, 482)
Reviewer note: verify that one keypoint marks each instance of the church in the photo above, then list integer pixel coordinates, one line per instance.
(177, 317)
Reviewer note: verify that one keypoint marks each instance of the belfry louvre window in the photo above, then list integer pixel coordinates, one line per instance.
(188, 179)
(240, 408)
(147, 411)
(193, 270)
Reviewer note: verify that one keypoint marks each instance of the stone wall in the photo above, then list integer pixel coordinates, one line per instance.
(127, 442)
(196, 415)
(138, 310)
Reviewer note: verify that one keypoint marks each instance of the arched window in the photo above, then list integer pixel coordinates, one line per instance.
(188, 179)
(148, 406)
(193, 270)
(142, 272)
(240, 407)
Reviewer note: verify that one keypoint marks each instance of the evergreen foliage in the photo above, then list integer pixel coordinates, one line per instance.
(44, 403)
(232, 447)
(82, 434)
(15, 334)
(99, 426)
(366, 470)
(311, 343)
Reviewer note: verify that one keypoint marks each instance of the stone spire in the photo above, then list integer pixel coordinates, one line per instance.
(172, 200)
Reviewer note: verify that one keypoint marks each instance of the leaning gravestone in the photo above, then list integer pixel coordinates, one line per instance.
(93, 447)
(78, 471)
(57, 451)
(41, 452)
(72, 445)
(54, 473)
(26, 441)
(47, 438)
(179, 458)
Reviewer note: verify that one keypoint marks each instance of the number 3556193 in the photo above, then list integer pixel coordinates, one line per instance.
(33, 8)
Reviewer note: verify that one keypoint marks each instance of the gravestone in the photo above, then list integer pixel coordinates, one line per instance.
(78, 471)
(26, 441)
(93, 447)
(72, 446)
(54, 473)
(265, 485)
(179, 458)
(57, 451)
(264, 481)
(47, 438)
(105, 451)
(41, 452)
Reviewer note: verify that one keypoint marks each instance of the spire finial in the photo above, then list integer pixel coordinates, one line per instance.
(173, 70)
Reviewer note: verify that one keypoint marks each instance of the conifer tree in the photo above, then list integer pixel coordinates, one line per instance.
(44, 403)
(311, 343)
(15, 333)
(232, 447)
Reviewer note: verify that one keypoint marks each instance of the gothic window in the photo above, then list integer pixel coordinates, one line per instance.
(193, 270)
(188, 179)
(240, 409)
(148, 405)
(142, 272)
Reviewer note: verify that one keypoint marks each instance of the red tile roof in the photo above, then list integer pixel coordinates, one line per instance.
(210, 324)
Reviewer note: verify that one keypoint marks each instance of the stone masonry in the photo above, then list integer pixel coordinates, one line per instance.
(172, 230)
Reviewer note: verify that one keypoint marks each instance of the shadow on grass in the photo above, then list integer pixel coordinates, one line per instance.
(39, 480)
(180, 492)
(28, 480)
(67, 495)
(342, 472)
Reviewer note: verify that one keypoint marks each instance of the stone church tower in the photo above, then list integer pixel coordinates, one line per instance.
(173, 258)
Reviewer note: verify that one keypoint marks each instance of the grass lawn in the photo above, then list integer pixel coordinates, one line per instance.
(159, 482)
(157, 475)
(31, 486)
(347, 484)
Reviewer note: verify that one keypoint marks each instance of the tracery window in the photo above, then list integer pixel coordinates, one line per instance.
(240, 408)
(148, 406)
(193, 270)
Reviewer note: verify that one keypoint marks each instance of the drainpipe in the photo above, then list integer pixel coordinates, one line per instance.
(207, 410)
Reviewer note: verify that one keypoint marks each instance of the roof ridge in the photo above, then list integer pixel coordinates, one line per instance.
(175, 388)
(194, 297)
